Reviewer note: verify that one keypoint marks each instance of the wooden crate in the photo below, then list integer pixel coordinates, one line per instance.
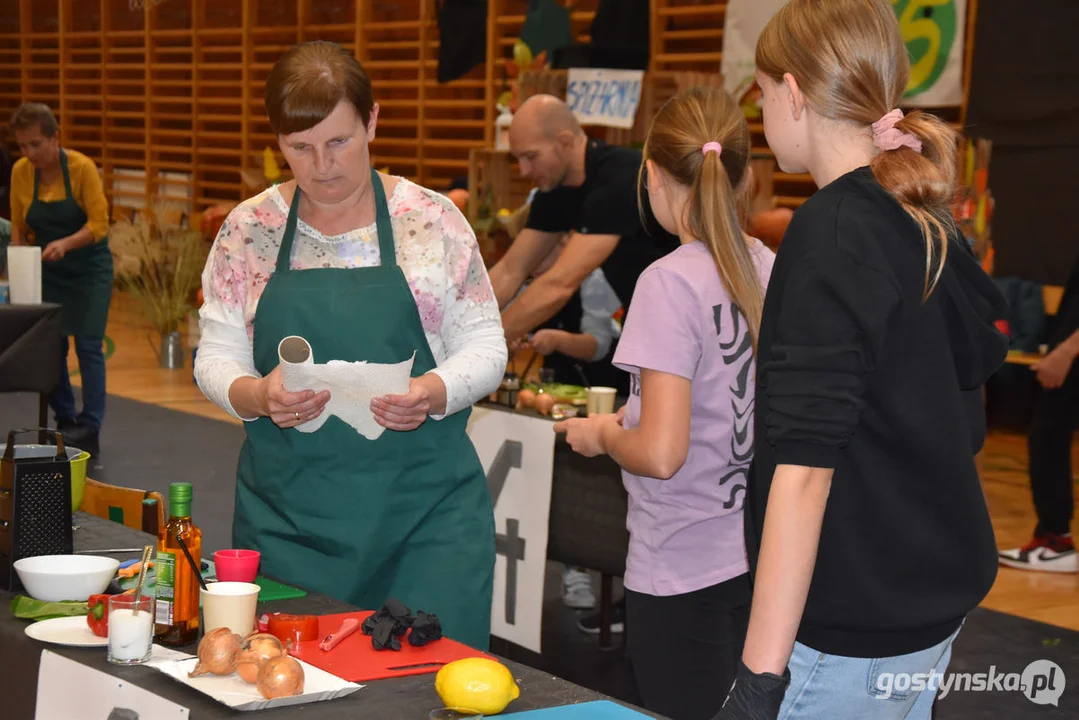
(494, 171)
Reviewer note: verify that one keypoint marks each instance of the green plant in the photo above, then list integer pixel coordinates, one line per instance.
(159, 262)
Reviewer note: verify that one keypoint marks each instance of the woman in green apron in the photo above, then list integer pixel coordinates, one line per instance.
(58, 204)
(365, 267)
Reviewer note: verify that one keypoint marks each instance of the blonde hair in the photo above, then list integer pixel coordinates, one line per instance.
(850, 61)
(675, 143)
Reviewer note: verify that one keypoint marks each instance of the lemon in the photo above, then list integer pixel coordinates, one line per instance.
(477, 684)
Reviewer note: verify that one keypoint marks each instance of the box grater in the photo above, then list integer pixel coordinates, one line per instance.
(35, 506)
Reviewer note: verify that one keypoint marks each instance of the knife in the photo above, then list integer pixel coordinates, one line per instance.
(349, 626)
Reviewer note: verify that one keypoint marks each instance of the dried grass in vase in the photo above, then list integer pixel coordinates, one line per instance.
(159, 263)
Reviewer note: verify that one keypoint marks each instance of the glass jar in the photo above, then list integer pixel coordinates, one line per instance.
(507, 391)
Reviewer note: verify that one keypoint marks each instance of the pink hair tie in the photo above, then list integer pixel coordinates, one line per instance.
(887, 137)
(712, 147)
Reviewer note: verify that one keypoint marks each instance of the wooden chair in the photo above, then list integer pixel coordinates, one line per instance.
(121, 504)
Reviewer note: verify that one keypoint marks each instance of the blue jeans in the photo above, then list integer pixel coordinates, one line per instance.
(838, 688)
(92, 368)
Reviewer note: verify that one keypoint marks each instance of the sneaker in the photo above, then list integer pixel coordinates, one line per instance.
(1046, 553)
(577, 589)
(590, 624)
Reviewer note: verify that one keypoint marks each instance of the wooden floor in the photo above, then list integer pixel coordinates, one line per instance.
(133, 373)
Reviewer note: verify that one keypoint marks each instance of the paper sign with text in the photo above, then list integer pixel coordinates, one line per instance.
(604, 97)
(517, 454)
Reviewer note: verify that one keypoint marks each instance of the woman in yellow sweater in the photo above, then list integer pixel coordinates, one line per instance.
(58, 204)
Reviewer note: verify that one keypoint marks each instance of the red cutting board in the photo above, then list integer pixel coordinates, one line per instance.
(356, 660)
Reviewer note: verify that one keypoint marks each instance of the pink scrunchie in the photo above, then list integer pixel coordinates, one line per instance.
(712, 147)
(887, 137)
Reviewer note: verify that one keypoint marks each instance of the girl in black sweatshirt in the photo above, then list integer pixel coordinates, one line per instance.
(866, 526)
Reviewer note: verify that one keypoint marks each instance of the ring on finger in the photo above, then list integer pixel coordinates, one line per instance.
(297, 417)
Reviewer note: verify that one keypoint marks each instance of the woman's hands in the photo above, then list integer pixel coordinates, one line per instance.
(288, 409)
(426, 394)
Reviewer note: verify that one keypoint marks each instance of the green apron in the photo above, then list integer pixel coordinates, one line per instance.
(82, 281)
(406, 516)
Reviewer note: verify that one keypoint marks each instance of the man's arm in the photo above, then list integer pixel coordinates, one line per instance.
(528, 249)
(548, 293)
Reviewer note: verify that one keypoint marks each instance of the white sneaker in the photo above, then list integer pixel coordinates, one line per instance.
(1048, 553)
(577, 589)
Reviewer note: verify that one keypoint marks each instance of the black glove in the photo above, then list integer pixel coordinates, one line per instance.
(754, 697)
(424, 629)
(388, 624)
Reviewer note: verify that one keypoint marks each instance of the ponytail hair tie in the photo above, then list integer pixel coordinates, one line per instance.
(887, 137)
(712, 147)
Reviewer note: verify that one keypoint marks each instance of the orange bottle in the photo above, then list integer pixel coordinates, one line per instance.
(177, 621)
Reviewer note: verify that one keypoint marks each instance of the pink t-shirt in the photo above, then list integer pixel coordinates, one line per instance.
(686, 532)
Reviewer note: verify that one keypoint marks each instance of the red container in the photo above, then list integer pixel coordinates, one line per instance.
(237, 565)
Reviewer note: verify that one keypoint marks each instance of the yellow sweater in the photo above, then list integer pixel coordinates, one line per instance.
(85, 184)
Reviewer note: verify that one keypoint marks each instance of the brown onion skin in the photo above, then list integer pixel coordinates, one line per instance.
(217, 653)
(280, 677)
(256, 650)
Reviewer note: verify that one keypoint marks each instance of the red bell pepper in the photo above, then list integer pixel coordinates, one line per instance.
(98, 617)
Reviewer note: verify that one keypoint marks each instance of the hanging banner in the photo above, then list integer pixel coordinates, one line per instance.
(517, 454)
(604, 97)
(934, 31)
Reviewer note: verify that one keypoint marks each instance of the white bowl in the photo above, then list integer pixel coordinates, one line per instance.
(54, 578)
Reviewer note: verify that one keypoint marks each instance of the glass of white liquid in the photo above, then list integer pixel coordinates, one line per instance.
(131, 629)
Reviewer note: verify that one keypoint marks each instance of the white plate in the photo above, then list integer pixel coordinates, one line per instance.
(70, 631)
(231, 690)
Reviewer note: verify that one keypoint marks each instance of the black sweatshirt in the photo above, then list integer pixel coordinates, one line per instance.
(857, 373)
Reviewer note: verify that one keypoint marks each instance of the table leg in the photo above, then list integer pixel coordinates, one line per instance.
(606, 610)
(42, 417)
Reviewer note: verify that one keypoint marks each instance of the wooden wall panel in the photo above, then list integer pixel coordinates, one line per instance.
(167, 96)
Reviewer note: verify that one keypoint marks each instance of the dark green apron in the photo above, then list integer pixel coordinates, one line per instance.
(407, 515)
(82, 281)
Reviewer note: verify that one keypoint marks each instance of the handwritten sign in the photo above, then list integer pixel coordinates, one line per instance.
(604, 97)
(517, 454)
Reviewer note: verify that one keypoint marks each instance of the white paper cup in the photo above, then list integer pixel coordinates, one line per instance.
(601, 400)
(231, 605)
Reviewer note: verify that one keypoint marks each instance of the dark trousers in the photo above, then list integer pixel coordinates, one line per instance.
(1049, 445)
(92, 368)
(685, 648)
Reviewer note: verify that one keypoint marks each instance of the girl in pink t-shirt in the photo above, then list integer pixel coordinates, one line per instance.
(685, 437)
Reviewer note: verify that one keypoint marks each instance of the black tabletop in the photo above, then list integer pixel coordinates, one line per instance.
(405, 698)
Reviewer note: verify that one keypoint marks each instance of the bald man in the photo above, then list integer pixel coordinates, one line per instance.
(586, 188)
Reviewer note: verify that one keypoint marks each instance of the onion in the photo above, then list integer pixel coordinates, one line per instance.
(255, 650)
(526, 398)
(280, 677)
(544, 403)
(217, 653)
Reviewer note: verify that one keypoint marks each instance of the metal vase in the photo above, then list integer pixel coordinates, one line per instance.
(171, 354)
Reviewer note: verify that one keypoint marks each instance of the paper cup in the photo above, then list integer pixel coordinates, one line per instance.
(601, 400)
(231, 605)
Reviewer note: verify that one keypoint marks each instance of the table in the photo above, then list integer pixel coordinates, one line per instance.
(31, 345)
(405, 698)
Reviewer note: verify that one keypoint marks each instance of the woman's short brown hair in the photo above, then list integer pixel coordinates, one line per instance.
(28, 115)
(307, 83)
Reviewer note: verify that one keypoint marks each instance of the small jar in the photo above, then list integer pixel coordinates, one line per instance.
(507, 391)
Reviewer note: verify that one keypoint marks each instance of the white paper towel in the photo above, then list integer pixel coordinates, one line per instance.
(352, 385)
(24, 274)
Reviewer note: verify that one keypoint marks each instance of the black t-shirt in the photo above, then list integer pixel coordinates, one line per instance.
(606, 204)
